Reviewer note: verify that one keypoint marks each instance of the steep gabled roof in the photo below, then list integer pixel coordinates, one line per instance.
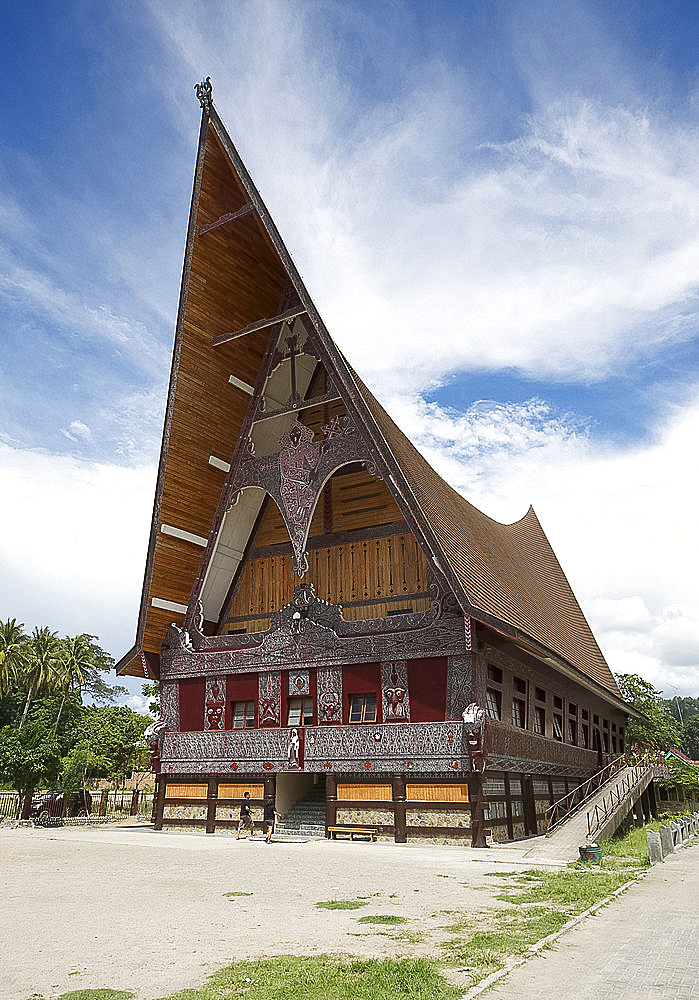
(237, 271)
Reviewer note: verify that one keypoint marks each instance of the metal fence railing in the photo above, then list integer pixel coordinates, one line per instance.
(613, 798)
(105, 806)
(561, 810)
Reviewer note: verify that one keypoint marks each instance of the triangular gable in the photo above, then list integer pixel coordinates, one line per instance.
(244, 313)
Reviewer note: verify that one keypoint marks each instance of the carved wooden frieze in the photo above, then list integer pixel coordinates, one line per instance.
(329, 682)
(310, 631)
(435, 748)
(170, 704)
(270, 698)
(294, 475)
(460, 691)
(215, 703)
(394, 691)
(299, 683)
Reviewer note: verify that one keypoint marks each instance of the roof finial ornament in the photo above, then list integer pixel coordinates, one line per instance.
(204, 90)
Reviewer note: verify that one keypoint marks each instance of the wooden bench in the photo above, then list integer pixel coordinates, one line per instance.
(352, 832)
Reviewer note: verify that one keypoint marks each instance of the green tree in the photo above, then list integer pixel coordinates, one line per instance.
(152, 691)
(111, 739)
(40, 671)
(13, 654)
(29, 757)
(657, 730)
(690, 737)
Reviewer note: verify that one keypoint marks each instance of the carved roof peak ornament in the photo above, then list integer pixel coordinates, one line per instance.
(204, 91)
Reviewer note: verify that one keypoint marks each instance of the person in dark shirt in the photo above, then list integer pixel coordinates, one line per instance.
(270, 815)
(245, 822)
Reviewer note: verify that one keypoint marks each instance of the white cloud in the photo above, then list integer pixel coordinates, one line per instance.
(77, 431)
(73, 549)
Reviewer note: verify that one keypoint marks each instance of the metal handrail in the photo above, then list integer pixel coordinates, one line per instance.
(616, 795)
(560, 811)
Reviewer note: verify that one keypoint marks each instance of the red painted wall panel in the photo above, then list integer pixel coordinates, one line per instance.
(427, 681)
(192, 705)
(360, 678)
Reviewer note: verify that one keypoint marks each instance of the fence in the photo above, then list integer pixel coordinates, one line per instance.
(562, 810)
(612, 799)
(107, 806)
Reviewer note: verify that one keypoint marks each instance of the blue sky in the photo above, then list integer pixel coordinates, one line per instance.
(495, 207)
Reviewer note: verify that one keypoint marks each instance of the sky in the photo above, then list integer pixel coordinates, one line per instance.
(495, 207)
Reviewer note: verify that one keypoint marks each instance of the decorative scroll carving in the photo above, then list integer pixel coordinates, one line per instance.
(329, 680)
(170, 704)
(295, 475)
(460, 691)
(310, 631)
(204, 92)
(215, 703)
(270, 696)
(394, 691)
(299, 683)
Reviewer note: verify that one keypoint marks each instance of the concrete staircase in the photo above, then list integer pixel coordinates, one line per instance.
(306, 820)
(596, 818)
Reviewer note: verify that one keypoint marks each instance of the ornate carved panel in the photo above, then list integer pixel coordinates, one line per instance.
(299, 683)
(329, 680)
(295, 475)
(460, 691)
(215, 703)
(434, 748)
(270, 698)
(311, 632)
(394, 691)
(170, 704)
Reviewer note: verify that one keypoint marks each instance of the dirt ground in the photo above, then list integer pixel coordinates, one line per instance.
(132, 909)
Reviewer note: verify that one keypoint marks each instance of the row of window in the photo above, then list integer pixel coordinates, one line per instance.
(362, 708)
(567, 723)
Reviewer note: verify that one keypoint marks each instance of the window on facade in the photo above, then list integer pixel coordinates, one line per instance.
(539, 694)
(362, 708)
(572, 709)
(585, 715)
(586, 736)
(605, 741)
(399, 611)
(494, 674)
(539, 720)
(573, 732)
(558, 727)
(519, 685)
(300, 712)
(622, 745)
(519, 714)
(493, 703)
(595, 720)
(557, 702)
(243, 714)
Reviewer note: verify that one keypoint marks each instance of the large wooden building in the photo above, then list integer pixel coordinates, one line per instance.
(319, 606)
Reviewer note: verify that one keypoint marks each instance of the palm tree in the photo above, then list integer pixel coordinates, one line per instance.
(13, 653)
(40, 670)
(76, 660)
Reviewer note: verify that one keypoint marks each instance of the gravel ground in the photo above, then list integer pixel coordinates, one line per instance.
(128, 908)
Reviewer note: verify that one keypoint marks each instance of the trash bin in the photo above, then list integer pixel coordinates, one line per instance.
(591, 853)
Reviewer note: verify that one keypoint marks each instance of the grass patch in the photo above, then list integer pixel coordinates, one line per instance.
(324, 978)
(342, 904)
(230, 895)
(571, 891)
(96, 995)
(381, 918)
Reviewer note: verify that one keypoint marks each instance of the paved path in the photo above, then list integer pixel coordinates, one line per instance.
(643, 946)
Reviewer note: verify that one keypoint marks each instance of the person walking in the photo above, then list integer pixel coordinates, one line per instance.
(245, 822)
(271, 815)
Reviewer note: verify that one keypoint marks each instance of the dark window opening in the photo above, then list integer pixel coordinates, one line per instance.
(518, 713)
(300, 712)
(362, 708)
(539, 720)
(493, 703)
(558, 728)
(243, 714)
(494, 674)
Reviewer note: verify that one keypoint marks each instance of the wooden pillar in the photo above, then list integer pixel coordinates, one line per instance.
(270, 793)
(399, 824)
(330, 802)
(159, 802)
(475, 794)
(211, 797)
(652, 800)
